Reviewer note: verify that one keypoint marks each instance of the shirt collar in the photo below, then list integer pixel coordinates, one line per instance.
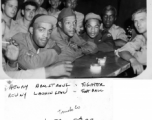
(63, 35)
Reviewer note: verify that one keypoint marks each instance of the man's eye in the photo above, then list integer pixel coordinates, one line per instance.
(50, 31)
(68, 23)
(74, 23)
(11, 5)
(41, 30)
(88, 26)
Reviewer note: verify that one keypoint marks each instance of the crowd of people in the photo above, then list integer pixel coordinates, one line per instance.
(42, 43)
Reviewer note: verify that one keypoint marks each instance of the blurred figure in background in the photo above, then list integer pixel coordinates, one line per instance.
(79, 16)
(109, 16)
(54, 9)
(28, 10)
(9, 8)
(40, 10)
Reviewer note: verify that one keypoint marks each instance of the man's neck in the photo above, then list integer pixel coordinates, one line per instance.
(104, 28)
(26, 22)
(145, 35)
(7, 20)
(52, 10)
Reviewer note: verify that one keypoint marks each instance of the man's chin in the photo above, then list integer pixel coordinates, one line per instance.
(71, 34)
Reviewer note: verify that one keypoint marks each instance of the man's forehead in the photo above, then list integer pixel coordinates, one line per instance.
(30, 6)
(69, 18)
(12, 1)
(56, 0)
(93, 22)
(43, 25)
(109, 12)
(140, 15)
(71, 0)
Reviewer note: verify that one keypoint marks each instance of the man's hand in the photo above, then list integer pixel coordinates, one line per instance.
(59, 69)
(90, 47)
(137, 67)
(12, 51)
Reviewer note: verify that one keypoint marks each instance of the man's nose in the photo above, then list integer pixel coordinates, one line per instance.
(138, 24)
(92, 29)
(14, 9)
(72, 26)
(45, 34)
(31, 13)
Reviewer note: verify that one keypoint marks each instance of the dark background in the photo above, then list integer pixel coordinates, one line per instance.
(125, 8)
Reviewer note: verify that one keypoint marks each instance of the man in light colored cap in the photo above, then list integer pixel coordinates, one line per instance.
(103, 40)
(72, 46)
(11, 66)
(33, 52)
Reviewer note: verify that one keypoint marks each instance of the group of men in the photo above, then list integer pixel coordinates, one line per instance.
(43, 43)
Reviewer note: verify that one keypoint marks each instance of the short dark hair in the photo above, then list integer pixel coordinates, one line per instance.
(32, 3)
(5, 1)
(108, 8)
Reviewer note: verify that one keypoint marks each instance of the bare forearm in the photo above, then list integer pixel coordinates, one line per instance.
(120, 43)
(125, 55)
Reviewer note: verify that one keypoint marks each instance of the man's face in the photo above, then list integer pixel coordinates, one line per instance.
(140, 22)
(54, 3)
(108, 19)
(69, 25)
(71, 3)
(92, 27)
(29, 12)
(10, 8)
(40, 2)
(41, 33)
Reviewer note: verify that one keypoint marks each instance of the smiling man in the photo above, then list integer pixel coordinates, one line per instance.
(40, 10)
(9, 8)
(136, 51)
(109, 16)
(33, 53)
(102, 39)
(28, 10)
(72, 46)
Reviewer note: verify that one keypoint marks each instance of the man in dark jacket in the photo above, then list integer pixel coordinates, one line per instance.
(103, 39)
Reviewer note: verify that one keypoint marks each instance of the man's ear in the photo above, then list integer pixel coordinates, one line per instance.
(60, 24)
(59, 2)
(22, 12)
(31, 30)
(115, 18)
(3, 7)
(49, 1)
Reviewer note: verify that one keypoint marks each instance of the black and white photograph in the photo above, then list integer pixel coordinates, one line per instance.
(76, 59)
(44, 39)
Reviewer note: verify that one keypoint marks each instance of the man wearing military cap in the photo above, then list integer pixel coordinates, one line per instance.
(102, 39)
(33, 53)
(72, 46)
